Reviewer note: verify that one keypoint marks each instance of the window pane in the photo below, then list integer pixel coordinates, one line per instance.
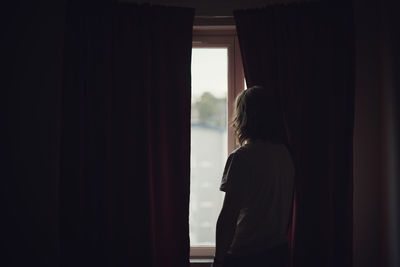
(208, 141)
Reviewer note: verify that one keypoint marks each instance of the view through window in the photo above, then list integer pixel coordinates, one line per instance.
(209, 141)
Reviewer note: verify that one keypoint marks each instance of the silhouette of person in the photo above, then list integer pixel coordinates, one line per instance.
(258, 182)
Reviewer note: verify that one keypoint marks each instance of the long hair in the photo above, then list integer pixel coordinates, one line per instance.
(257, 116)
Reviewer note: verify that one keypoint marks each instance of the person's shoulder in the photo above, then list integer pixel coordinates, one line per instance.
(259, 148)
(237, 150)
(236, 154)
(262, 148)
(242, 153)
(242, 150)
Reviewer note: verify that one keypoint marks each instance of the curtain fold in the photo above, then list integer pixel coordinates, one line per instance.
(125, 167)
(304, 53)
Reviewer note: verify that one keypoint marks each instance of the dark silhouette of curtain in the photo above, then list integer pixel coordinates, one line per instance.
(98, 148)
(125, 165)
(304, 53)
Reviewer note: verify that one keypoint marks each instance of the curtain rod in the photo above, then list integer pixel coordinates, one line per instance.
(214, 20)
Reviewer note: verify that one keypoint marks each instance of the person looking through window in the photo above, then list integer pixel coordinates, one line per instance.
(258, 182)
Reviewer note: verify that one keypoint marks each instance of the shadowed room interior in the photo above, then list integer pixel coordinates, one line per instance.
(81, 187)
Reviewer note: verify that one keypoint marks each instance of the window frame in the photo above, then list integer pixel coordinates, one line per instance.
(223, 37)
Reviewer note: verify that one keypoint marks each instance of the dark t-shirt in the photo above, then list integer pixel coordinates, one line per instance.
(263, 174)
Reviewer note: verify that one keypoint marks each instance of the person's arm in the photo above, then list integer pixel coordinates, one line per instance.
(226, 226)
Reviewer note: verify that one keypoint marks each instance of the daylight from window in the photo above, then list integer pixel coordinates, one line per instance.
(208, 141)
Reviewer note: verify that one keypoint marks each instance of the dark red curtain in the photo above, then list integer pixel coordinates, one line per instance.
(98, 144)
(125, 165)
(304, 53)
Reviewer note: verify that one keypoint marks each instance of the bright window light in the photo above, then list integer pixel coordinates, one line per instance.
(208, 141)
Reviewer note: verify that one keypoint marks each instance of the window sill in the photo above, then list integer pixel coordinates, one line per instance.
(201, 262)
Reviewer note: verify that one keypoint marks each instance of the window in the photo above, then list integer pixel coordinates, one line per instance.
(217, 77)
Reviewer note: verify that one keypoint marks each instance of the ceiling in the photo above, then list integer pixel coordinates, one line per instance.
(212, 8)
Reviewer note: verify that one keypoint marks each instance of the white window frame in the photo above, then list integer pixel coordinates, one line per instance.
(223, 37)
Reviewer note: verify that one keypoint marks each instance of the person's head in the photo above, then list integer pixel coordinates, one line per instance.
(257, 116)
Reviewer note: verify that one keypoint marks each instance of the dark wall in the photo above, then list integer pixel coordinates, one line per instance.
(216, 7)
(390, 51)
(368, 204)
(376, 187)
